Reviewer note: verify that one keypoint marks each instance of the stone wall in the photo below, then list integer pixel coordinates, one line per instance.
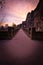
(38, 16)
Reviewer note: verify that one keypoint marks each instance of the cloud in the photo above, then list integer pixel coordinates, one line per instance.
(16, 10)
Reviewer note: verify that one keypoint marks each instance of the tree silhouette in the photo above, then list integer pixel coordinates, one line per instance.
(14, 25)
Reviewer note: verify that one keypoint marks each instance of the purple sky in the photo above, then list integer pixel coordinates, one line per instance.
(16, 10)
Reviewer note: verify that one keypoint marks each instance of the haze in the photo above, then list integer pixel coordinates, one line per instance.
(15, 11)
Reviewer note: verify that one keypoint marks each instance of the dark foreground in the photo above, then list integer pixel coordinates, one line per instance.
(21, 50)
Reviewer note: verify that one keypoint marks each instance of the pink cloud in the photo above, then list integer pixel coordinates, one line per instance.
(19, 9)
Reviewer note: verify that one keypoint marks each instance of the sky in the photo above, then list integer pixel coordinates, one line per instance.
(15, 11)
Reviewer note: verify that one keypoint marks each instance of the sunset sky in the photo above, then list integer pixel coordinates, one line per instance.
(16, 10)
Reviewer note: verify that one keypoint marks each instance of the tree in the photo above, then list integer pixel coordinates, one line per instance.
(14, 25)
(6, 25)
